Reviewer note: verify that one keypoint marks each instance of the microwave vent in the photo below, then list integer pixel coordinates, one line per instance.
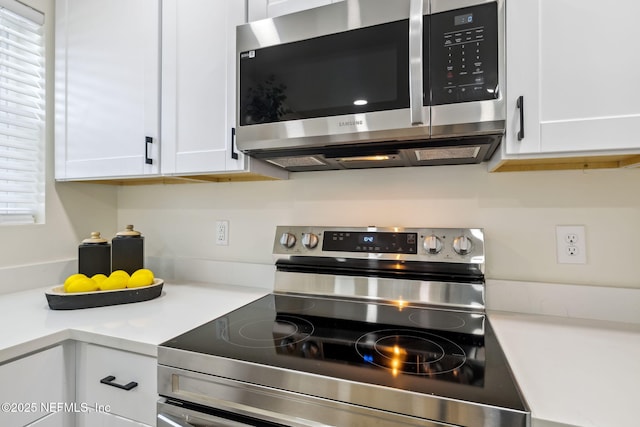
(296, 162)
(466, 152)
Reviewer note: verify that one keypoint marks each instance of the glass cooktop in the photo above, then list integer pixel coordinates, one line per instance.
(452, 354)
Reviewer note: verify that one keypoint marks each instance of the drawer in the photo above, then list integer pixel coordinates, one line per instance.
(101, 419)
(56, 419)
(30, 383)
(96, 363)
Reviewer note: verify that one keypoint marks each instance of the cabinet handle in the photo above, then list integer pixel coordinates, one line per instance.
(520, 105)
(234, 155)
(109, 381)
(147, 140)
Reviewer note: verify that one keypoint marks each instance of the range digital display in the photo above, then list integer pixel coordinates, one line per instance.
(367, 239)
(377, 242)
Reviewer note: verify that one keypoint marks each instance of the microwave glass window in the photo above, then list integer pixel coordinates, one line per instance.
(464, 55)
(356, 71)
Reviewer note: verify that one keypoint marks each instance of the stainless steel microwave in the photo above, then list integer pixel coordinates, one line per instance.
(373, 83)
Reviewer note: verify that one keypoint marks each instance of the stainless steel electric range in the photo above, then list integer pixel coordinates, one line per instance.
(366, 326)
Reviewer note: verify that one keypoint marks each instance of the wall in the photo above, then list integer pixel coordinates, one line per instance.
(73, 210)
(519, 212)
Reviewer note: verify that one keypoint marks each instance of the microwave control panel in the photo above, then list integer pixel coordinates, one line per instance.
(463, 54)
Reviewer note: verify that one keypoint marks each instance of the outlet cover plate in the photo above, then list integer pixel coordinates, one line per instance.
(571, 244)
(222, 232)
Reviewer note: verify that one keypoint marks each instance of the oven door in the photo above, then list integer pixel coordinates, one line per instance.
(194, 399)
(174, 414)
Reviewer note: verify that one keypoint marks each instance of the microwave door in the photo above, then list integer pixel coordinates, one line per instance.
(317, 88)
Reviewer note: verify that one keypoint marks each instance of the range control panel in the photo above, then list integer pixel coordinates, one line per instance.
(373, 242)
(463, 54)
(462, 245)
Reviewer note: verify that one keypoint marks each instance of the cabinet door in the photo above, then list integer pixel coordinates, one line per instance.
(107, 88)
(196, 84)
(101, 419)
(523, 44)
(95, 364)
(261, 9)
(34, 385)
(574, 62)
(56, 419)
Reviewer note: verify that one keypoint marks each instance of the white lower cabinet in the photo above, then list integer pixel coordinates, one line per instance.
(94, 418)
(113, 405)
(32, 387)
(56, 419)
(64, 386)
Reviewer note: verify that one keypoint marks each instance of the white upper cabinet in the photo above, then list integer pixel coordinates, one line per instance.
(198, 92)
(574, 65)
(115, 61)
(107, 88)
(197, 121)
(261, 9)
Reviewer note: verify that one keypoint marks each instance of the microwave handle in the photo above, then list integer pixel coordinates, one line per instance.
(416, 89)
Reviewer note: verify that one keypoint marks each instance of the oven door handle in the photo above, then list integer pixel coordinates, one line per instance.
(174, 416)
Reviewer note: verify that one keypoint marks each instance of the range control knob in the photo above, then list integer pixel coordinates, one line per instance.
(288, 240)
(310, 350)
(432, 244)
(309, 240)
(462, 245)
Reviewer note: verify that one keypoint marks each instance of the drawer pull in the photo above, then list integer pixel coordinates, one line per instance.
(109, 381)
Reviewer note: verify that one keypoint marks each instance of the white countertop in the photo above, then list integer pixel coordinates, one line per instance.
(30, 325)
(572, 372)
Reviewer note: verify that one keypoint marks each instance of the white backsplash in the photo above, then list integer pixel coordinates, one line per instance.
(518, 211)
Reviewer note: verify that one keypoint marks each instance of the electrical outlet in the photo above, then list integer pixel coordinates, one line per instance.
(222, 232)
(571, 244)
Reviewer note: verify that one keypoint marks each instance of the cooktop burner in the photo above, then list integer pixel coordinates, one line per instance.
(438, 319)
(268, 333)
(407, 351)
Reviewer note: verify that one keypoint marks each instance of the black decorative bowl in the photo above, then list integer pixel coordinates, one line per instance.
(58, 299)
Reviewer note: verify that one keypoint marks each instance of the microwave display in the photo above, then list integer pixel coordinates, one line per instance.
(351, 72)
(463, 19)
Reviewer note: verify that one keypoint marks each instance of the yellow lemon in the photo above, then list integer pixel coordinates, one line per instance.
(82, 284)
(145, 272)
(73, 278)
(114, 282)
(142, 277)
(120, 273)
(99, 278)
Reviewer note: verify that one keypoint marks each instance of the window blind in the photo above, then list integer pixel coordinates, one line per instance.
(22, 118)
